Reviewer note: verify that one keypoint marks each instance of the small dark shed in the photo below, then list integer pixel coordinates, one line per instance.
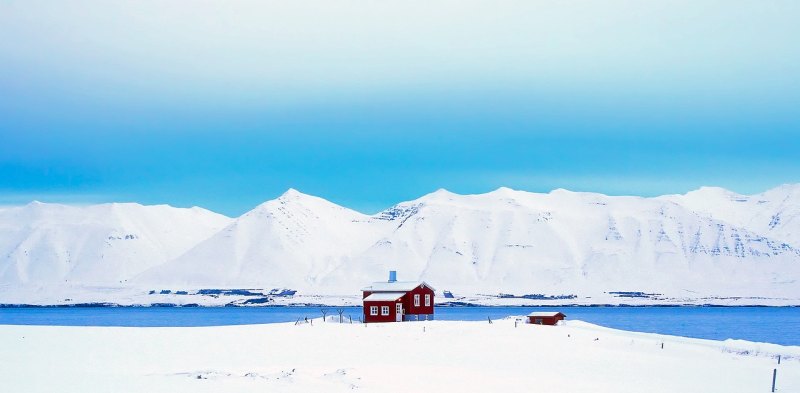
(545, 318)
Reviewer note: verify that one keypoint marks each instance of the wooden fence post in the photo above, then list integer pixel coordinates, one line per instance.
(774, 374)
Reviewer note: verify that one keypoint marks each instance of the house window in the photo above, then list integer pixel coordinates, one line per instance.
(416, 300)
(373, 310)
(427, 300)
(537, 321)
(384, 310)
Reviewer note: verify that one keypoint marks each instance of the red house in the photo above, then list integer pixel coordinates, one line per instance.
(545, 318)
(396, 301)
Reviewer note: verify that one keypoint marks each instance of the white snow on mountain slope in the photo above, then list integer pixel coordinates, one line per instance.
(296, 240)
(582, 242)
(46, 245)
(774, 213)
(503, 241)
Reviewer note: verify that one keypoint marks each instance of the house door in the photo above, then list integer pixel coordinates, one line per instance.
(398, 308)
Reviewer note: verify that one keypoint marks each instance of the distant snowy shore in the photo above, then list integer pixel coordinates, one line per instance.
(505, 355)
(125, 297)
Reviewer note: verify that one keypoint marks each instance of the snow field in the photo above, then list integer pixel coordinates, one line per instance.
(417, 356)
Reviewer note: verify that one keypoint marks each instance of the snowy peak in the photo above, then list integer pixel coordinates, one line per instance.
(295, 195)
(439, 195)
(293, 200)
(503, 190)
(774, 213)
(785, 192)
(52, 244)
(295, 238)
(706, 193)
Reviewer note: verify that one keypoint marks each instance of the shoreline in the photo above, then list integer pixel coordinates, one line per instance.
(465, 305)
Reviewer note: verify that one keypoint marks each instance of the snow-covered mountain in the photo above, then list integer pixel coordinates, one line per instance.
(502, 241)
(296, 241)
(45, 245)
(709, 242)
(774, 213)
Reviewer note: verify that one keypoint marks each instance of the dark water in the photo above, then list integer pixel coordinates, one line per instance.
(779, 325)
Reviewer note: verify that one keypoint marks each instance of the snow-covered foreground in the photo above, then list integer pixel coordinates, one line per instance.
(416, 356)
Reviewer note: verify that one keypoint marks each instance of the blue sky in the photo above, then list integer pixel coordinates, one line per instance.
(227, 104)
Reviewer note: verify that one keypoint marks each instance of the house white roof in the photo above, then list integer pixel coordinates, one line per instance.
(544, 314)
(397, 286)
(384, 296)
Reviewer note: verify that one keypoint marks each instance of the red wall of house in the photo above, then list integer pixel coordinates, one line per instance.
(546, 320)
(408, 301)
(380, 318)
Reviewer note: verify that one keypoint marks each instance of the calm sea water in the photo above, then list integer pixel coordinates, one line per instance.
(779, 325)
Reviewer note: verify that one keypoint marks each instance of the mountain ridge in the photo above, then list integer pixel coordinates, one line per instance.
(710, 241)
(383, 240)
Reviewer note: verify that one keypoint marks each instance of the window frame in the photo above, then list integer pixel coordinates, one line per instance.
(416, 300)
(384, 311)
(427, 300)
(373, 310)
